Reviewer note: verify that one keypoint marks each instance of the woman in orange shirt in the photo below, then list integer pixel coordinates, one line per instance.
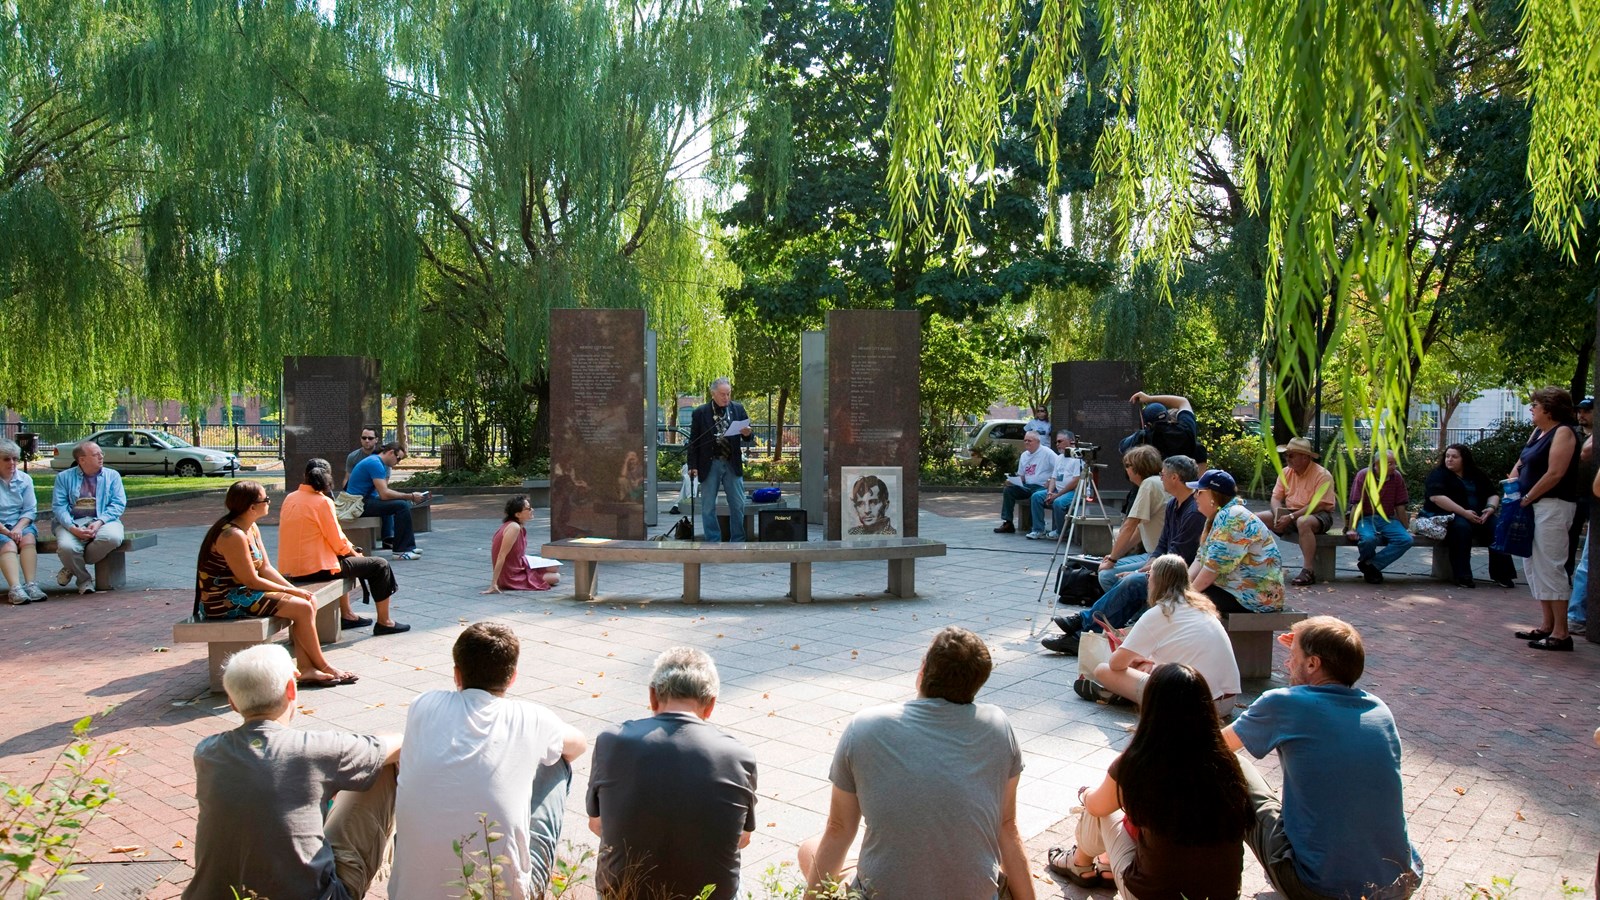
(312, 547)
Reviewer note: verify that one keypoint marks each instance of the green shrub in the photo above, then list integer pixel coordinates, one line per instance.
(1243, 457)
(494, 476)
(1496, 452)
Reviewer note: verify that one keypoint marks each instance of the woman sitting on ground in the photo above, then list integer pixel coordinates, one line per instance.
(1457, 486)
(1182, 626)
(1238, 565)
(1173, 811)
(234, 580)
(313, 548)
(513, 568)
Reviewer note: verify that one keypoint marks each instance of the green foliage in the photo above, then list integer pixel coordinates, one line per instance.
(1245, 457)
(492, 476)
(1496, 452)
(41, 823)
(958, 377)
(571, 870)
(482, 871)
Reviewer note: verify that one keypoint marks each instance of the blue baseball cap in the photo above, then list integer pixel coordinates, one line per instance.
(1153, 411)
(1216, 480)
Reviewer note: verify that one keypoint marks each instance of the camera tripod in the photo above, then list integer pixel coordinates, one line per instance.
(1086, 491)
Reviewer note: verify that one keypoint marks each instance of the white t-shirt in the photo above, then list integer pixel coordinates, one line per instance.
(1067, 468)
(1035, 467)
(1191, 637)
(1150, 508)
(465, 753)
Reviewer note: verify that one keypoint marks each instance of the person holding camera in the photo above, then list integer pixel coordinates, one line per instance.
(1169, 426)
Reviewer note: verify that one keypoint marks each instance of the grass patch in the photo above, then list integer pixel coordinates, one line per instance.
(151, 485)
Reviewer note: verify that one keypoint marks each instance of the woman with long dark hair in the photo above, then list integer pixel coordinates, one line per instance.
(1173, 810)
(234, 580)
(1550, 481)
(1457, 486)
(312, 547)
(508, 553)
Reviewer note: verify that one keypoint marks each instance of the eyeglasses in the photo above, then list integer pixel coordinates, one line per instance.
(369, 437)
(262, 501)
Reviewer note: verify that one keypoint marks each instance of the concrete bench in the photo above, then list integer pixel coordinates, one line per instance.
(538, 492)
(366, 531)
(1330, 541)
(111, 573)
(226, 637)
(1252, 634)
(900, 553)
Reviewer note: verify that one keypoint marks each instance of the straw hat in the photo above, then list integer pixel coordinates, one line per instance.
(1300, 445)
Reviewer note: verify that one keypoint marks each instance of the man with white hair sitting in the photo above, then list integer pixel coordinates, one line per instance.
(672, 797)
(262, 787)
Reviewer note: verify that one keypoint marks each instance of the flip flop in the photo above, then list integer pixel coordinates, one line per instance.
(329, 681)
(1059, 862)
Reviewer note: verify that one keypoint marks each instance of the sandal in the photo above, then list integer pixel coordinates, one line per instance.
(1059, 862)
(1304, 579)
(1088, 689)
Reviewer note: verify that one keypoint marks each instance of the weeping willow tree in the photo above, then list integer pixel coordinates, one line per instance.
(416, 181)
(1324, 109)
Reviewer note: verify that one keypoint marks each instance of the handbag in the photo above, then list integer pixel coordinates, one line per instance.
(348, 507)
(1513, 529)
(1432, 527)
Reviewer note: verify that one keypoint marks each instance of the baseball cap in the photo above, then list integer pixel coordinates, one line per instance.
(1153, 411)
(1216, 480)
(1586, 403)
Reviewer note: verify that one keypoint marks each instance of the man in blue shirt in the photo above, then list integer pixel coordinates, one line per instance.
(1340, 830)
(370, 480)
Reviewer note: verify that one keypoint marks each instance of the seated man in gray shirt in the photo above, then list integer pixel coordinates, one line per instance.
(671, 797)
(261, 790)
(936, 780)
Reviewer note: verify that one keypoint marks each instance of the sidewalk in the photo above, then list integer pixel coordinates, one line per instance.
(1500, 769)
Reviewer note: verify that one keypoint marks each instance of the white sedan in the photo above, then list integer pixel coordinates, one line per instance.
(141, 451)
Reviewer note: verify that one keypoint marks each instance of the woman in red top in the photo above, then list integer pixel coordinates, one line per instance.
(1173, 810)
(509, 554)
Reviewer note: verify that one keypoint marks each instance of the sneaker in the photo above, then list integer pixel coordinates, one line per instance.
(1052, 535)
(1069, 625)
(1006, 528)
(396, 628)
(417, 550)
(408, 555)
(673, 510)
(86, 587)
(63, 578)
(1370, 572)
(18, 597)
(34, 593)
(1034, 535)
(1577, 627)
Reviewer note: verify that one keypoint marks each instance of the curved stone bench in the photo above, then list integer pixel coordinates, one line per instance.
(900, 553)
(111, 573)
(225, 637)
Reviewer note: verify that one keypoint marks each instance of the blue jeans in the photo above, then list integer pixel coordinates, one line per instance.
(1368, 531)
(721, 476)
(1058, 510)
(399, 513)
(550, 787)
(1109, 579)
(1120, 605)
(1580, 587)
(1010, 496)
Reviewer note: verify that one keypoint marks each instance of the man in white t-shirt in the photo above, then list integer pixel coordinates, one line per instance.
(482, 763)
(1034, 468)
(1058, 491)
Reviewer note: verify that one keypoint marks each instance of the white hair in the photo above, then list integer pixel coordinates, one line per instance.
(684, 673)
(9, 449)
(257, 679)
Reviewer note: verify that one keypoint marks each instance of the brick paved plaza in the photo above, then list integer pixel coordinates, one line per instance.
(1502, 777)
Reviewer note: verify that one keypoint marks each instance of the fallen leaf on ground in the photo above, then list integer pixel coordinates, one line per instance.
(1460, 791)
(124, 848)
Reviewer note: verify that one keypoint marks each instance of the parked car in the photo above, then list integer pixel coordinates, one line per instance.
(141, 451)
(993, 433)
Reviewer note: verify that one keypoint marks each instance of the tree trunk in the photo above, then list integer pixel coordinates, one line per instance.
(402, 412)
(783, 403)
(1447, 411)
(1580, 374)
(540, 385)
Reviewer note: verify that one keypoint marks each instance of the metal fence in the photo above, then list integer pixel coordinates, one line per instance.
(264, 440)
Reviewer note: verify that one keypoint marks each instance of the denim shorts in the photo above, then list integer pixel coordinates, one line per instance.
(6, 542)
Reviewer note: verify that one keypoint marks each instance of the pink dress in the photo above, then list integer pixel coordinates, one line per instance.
(517, 574)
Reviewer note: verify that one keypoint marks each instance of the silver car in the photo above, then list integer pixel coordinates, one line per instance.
(144, 451)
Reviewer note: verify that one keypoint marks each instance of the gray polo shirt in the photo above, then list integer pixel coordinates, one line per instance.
(674, 795)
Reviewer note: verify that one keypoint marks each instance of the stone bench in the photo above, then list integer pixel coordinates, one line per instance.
(538, 492)
(1330, 541)
(226, 637)
(900, 553)
(111, 573)
(1252, 635)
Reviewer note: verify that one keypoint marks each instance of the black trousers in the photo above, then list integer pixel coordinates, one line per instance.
(1460, 536)
(377, 579)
